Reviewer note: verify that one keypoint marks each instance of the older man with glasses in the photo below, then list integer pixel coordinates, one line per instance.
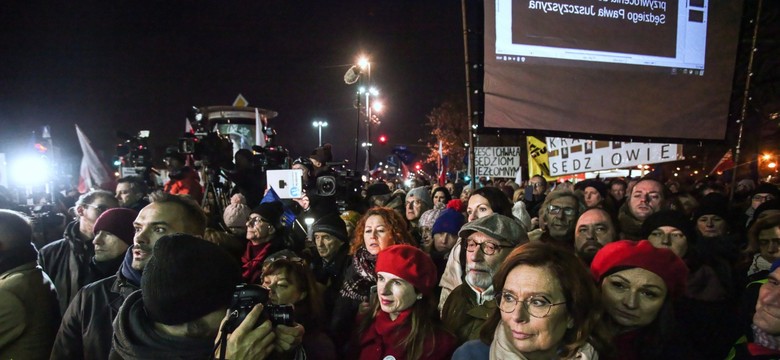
(488, 241)
(558, 218)
(67, 261)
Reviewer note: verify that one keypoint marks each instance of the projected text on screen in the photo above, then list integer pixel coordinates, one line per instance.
(656, 33)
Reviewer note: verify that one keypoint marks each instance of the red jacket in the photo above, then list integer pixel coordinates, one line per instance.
(185, 183)
(384, 338)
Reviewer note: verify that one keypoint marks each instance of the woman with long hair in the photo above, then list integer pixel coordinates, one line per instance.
(378, 229)
(403, 322)
(548, 308)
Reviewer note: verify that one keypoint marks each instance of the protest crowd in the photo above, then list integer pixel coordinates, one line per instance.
(621, 268)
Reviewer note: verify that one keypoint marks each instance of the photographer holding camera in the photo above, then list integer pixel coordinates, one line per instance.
(186, 288)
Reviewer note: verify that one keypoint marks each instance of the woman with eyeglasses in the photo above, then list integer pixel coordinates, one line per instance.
(548, 308)
(265, 233)
(378, 229)
(290, 282)
(639, 284)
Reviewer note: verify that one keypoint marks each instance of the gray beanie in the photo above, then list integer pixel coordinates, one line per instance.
(421, 193)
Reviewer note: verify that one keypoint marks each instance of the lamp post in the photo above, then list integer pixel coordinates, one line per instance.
(319, 125)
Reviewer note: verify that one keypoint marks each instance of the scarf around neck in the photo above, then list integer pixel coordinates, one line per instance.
(502, 348)
(358, 286)
(126, 269)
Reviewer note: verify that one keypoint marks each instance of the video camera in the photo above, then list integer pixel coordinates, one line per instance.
(339, 181)
(245, 297)
(133, 151)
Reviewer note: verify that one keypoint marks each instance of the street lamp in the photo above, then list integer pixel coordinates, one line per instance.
(319, 125)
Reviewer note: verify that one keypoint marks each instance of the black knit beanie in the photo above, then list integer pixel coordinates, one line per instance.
(331, 224)
(671, 218)
(712, 204)
(270, 212)
(187, 278)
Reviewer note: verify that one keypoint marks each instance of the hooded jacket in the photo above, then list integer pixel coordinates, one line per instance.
(136, 339)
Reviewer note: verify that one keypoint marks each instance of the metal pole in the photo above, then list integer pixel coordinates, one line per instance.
(470, 169)
(357, 128)
(745, 98)
(319, 127)
(368, 130)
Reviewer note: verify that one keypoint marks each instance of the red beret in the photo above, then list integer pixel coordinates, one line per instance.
(642, 254)
(408, 263)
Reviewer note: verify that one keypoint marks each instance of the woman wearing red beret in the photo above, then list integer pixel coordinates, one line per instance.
(638, 284)
(378, 229)
(404, 322)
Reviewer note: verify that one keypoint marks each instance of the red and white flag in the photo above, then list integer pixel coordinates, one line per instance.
(404, 171)
(93, 173)
(725, 163)
(188, 127)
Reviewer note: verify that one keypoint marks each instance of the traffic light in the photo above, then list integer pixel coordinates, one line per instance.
(417, 166)
(382, 139)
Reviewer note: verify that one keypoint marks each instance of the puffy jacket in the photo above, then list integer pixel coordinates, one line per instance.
(28, 313)
(86, 330)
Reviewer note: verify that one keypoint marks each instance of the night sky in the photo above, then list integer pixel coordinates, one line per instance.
(133, 65)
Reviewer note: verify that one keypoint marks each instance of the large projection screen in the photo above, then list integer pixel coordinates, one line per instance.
(637, 68)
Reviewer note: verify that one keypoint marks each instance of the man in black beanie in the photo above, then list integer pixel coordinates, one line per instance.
(186, 289)
(331, 255)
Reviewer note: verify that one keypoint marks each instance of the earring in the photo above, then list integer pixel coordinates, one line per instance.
(419, 296)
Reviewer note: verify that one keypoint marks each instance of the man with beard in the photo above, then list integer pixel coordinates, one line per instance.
(67, 261)
(594, 230)
(86, 331)
(488, 241)
(646, 198)
(559, 215)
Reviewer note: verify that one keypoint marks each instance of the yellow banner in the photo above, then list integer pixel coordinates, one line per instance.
(537, 158)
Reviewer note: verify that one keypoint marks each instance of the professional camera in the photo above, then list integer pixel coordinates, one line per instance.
(271, 157)
(245, 297)
(340, 182)
(133, 151)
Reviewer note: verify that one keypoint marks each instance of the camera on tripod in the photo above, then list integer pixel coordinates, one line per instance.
(245, 297)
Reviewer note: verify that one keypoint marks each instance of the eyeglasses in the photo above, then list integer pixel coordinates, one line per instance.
(293, 259)
(535, 306)
(487, 248)
(99, 208)
(536, 185)
(766, 197)
(555, 210)
(255, 220)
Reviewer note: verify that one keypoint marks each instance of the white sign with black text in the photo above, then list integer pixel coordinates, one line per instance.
(574, 156)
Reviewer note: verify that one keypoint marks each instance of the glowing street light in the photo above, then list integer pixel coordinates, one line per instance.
(319, 125)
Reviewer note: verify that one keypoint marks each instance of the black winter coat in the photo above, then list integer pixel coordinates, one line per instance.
(66, 261)
(86, 330)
